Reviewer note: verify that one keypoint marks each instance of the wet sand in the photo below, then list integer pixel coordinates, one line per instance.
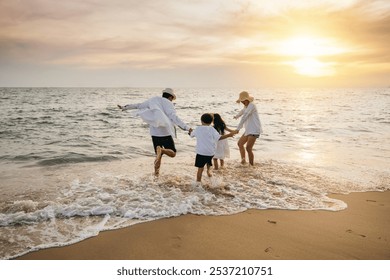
(362, 231)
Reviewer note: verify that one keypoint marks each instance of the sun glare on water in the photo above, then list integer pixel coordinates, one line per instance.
(306, 54)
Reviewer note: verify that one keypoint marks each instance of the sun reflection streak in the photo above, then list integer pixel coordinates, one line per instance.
(306, 151)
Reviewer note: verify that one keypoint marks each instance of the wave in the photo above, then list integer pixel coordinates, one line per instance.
(93, 167)
(76, 158)
(123, 193)
(231, 190)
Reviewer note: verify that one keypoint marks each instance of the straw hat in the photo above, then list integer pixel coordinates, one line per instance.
(245, 96)
(170, 91)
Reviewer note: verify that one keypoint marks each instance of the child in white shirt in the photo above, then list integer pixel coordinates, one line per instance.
(206, 142)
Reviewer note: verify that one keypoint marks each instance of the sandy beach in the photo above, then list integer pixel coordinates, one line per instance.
(362, 231)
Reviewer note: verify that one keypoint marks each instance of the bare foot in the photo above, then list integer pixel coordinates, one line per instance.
(243, 161)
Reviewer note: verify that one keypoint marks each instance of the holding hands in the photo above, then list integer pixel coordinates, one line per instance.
(234, 132)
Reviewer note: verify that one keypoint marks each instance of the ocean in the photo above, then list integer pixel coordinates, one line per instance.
(72, 164)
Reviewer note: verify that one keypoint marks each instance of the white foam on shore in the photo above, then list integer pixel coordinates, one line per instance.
(103, 197)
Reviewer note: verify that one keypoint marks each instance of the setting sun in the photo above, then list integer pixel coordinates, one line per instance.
(310, 66)
(306, 52)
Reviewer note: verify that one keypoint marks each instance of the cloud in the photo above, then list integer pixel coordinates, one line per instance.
(169, 34)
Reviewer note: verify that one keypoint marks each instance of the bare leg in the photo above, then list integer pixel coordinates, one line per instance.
(159, 153)
(199, 174)
(215, 163)
(209, 170)
(168, 152)
(249, 147)
(241, 142)
(222, 162)
(157, 161)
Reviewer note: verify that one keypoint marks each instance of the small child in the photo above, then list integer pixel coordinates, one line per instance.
(222, 150)
(206, 140)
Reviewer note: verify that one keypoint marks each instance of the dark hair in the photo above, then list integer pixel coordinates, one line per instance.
(207, 118)
(219, 124)
(166, 95)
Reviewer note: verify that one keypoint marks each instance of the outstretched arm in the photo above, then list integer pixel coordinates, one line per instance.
(128, 106)
(230, 130)
(239, 114)
(134, 106)
(231, 134)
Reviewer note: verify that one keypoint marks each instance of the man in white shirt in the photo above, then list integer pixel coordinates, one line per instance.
(160, 114)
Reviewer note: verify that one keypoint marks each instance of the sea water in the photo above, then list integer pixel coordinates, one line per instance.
(72, 164)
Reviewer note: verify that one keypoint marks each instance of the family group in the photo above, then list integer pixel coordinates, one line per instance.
(211, 137)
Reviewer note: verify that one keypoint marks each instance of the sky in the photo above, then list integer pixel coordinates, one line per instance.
(188, 43)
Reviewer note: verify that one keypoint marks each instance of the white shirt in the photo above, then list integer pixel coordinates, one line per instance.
(206, 140)
(250, 120)
(160, 114)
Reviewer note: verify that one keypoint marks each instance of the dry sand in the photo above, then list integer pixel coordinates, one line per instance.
(362, 231)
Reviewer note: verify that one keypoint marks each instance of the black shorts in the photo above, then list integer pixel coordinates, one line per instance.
(254, 135)
(201, 161)
(165, 142)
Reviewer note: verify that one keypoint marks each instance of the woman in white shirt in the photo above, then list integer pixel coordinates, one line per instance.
(251, 121)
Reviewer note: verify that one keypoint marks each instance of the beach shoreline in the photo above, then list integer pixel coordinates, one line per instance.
(362, 231)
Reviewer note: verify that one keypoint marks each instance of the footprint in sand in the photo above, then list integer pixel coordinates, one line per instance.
(370, 200)
(271, 250)
(175, 242)
(351, 231)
